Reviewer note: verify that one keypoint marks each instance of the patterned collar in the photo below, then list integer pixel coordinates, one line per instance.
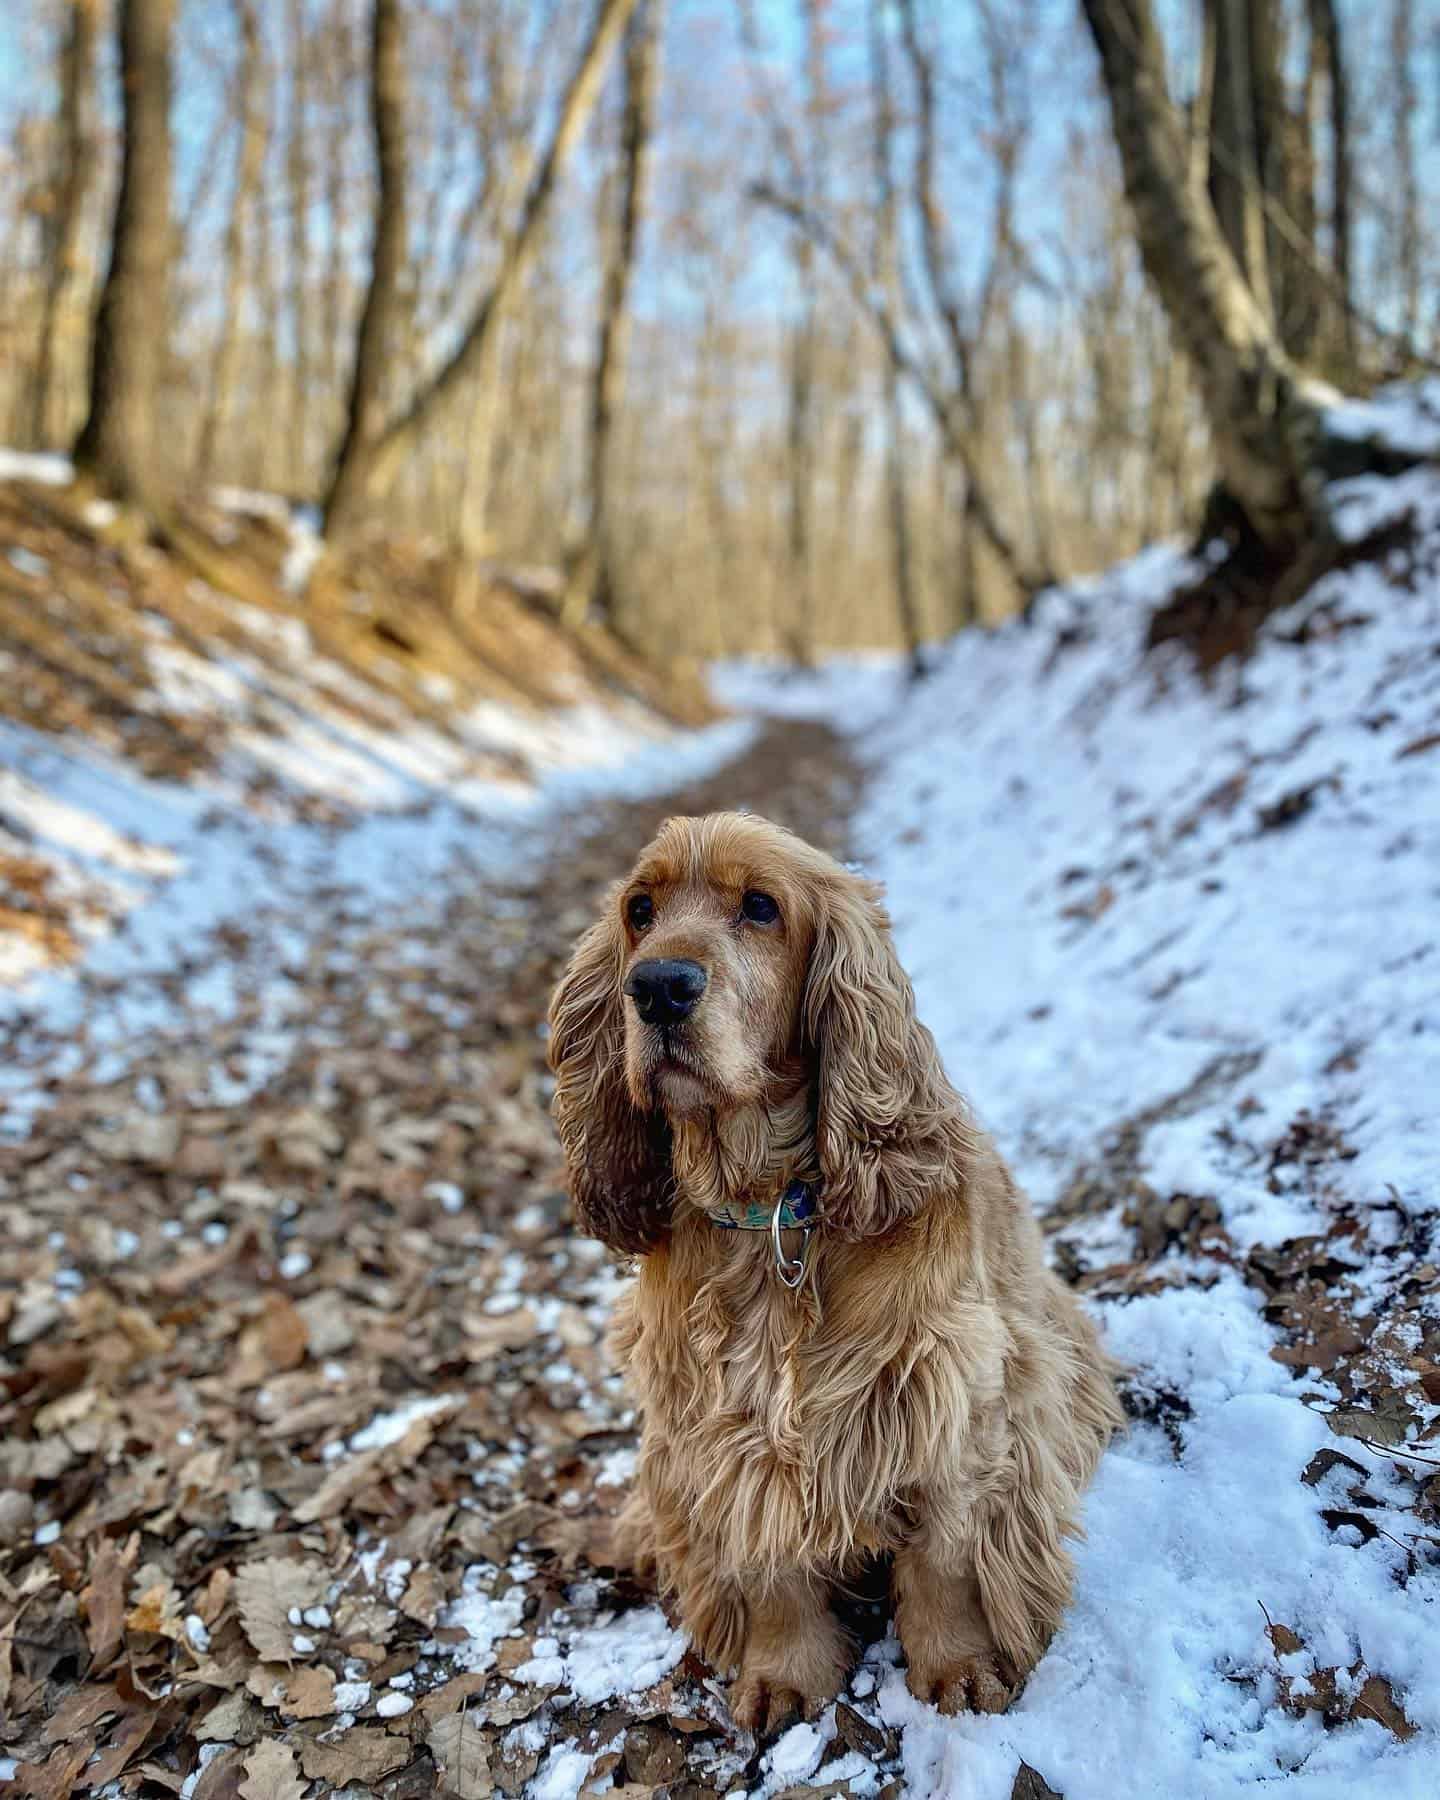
(796, 1209)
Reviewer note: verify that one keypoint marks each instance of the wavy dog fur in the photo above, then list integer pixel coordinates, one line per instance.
(932, 1392)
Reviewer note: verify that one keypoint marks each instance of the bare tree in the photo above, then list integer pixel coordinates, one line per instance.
(376, 443)
(118, 443)
(888, 259)
(249, 165)
(1236, 189)
(1328, 58)
(380, 318)
(297, 178)
(1264, 419)
(592, 583)
(78, 164)
(1405, 254)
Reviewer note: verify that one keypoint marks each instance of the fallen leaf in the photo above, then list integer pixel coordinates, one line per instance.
(55, 1778)
(270, 1773)
(307, 1693)
(265, 1592)
(103, 1602)
(1030, 1784)
(157, 1611)
(462, 1752)
(131, 1736)
(362, 1755)
(1376, 1700)
(77, 1712)
(424, 1596)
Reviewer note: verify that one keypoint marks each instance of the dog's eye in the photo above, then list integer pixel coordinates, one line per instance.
(759, 908)
(640, 911)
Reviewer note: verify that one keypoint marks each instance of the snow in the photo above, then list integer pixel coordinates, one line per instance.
(156, 867)
(42, 467)
(484, 1619)
(1404, 417)
(1099, 922)
(604, 1661)
(389, 1427)
(562, 1776)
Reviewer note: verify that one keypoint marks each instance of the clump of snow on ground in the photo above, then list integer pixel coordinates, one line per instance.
(602, 1661)
(1113, 884)
(483, 1618)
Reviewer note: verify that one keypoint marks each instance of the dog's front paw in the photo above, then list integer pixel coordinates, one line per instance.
(764, 1706)
(981, 1683)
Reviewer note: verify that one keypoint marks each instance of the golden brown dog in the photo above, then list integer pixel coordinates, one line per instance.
(736, 1035)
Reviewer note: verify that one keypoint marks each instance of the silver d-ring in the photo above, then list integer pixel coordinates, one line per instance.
(791, 1272)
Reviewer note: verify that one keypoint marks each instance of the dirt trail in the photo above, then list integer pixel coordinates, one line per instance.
(323, 1339)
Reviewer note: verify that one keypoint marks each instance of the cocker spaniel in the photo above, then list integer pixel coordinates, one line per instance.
(843, 1338)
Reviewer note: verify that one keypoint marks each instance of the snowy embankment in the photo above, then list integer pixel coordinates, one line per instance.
(1181, 946)
(299, 780)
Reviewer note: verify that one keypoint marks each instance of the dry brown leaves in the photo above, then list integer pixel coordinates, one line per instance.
(239, 1239)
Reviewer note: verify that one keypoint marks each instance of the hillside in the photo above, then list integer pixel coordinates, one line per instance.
(295, 1317)
(226, 680)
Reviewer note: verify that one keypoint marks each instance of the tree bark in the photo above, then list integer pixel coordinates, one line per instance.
(1407, 198)
(1236, 189)
(592, 588)
(249, 164)
(381, 314)
(1327, 39)
(117, 444)
(1264, 421)
(897, 501)
(373, 449)
(78, 165)
(297, 167)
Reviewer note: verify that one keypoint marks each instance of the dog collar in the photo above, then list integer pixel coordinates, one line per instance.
(794, 1211)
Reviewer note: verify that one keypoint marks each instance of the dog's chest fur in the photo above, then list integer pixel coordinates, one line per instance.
(788, 1426)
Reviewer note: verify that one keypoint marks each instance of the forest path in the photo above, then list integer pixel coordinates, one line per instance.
(305, 1426)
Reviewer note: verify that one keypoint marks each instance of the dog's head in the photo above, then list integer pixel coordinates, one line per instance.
(733, 966)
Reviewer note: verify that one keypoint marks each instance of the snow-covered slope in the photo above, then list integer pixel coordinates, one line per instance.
(1181, 945)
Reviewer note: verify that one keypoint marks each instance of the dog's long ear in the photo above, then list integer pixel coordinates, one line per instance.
(890, 1135)
(618, 1157)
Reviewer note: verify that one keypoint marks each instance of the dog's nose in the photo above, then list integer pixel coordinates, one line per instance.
(665, 990)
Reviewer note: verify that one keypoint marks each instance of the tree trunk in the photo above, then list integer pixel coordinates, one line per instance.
(897, 502)
(373, 450)
(592, 587)
(380, 317)
(297, 167)
(1236, 189)
(1264, 422)
(1327, 40)
(117, 444)
(248, 168)
(1406, 254)
(78, 165)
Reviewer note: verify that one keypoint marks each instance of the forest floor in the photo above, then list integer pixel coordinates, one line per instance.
(309, 1448)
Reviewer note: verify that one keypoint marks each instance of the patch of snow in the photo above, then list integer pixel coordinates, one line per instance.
(39, 466)
(617, 1468)
(796, 1755)
(389, 1427)
(562, 1775)
(1404, 417)
(603, 1661)
(1208, 908)
(393, 1705)
(483, 1618)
